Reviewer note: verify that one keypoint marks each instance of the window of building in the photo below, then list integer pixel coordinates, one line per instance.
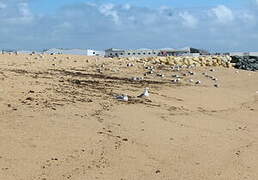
(111, 54)
(149, 53)
(139, 53)
(116, 54)
(121, 53)
(133, 53)
(94, 52)
(154, 53)
(129, 53)
(144, 53)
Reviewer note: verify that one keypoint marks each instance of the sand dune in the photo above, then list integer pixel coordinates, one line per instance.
(59, 120)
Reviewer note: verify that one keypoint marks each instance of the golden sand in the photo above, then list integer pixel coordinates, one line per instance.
(59, 119)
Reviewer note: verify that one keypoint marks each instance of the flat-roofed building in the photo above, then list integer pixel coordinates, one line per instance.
(189, 51)
(153, 53)
(86, 52)
(131, 53)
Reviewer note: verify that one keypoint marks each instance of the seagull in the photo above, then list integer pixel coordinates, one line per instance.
(123, 97)
(134, 78)
(161, 75)
(145, 93)
(198, 82)
(177, 80)
(214, 79)
(176, 76)
(191, 73)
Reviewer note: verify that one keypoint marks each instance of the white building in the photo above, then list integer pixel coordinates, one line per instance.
(90, 52)
(153, 53)
(86, 52)
(131, 53)
(28, 52)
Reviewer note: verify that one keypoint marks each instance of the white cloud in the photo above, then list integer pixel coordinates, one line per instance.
(188, 19)
(127, 6)
(15, 12)
(108, 10)
(25, 12)
(2, 5)
(223, 14)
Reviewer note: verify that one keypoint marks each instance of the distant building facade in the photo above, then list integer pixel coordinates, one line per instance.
(86, 52)
(131, 53)
(152, 53)
(28, 52)
(184, 52)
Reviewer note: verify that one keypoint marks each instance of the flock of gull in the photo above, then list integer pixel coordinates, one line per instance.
(176, 78)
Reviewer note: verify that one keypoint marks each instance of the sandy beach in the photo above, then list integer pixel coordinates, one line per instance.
(59, 119)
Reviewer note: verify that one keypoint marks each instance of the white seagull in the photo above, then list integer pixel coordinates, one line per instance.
(123, 97)
(177, 80)
(198, 82)
(145, 93)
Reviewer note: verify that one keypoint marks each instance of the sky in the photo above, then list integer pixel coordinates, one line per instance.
(214, 25)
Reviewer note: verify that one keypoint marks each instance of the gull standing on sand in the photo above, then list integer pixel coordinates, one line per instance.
(145, 93)
(198, 82)
(123, 97)
(177, 80)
